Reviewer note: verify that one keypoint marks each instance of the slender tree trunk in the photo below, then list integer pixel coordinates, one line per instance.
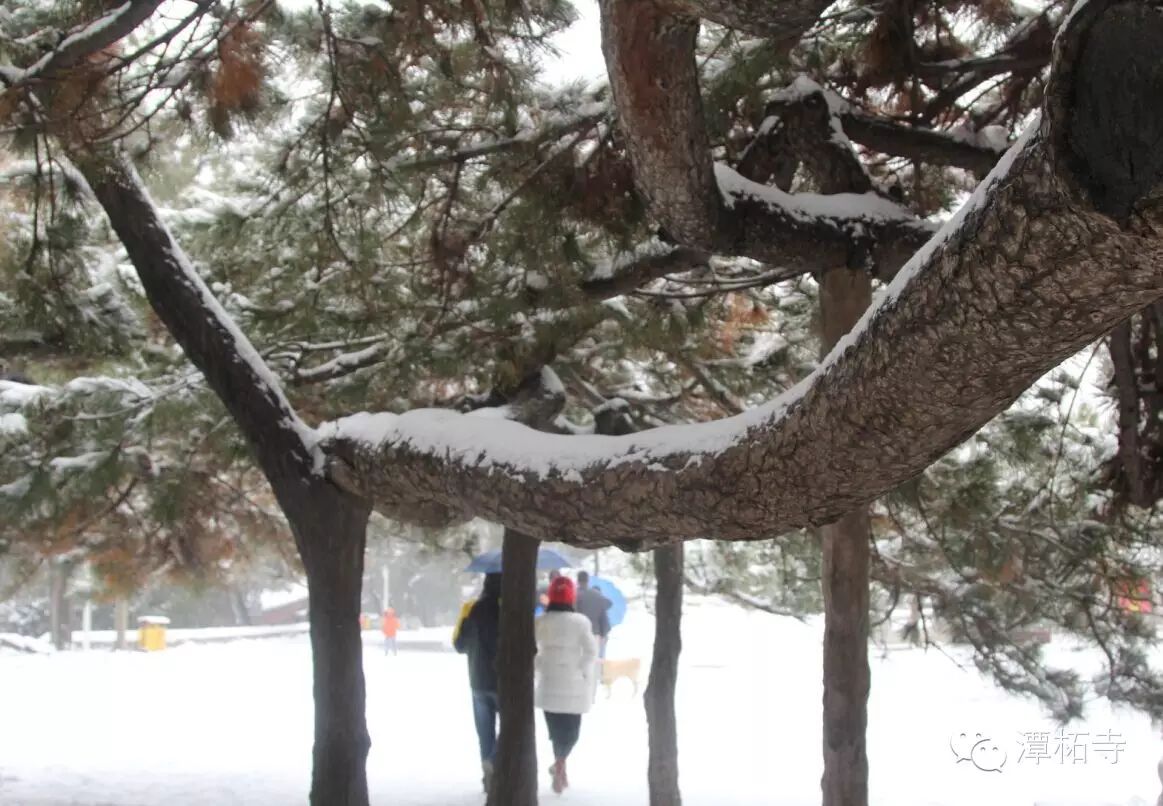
(844, 295)
(846, 672)
(515, 777)
(121, 623)
(661, 723)
(55, 603)
(331, 528)
(60, 620)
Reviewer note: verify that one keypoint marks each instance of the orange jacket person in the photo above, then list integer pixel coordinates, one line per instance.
(390, 624)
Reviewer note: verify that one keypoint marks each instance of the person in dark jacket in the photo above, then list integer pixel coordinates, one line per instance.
(476, 637)
(595, 607)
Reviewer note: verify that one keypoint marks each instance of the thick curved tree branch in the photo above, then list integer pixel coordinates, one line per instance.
(1062, 241)
(650, 56)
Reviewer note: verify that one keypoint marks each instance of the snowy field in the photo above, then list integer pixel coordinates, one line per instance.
(231, 724)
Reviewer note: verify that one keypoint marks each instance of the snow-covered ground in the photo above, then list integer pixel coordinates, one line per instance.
(231, 724)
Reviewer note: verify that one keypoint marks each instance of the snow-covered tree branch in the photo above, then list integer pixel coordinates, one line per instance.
(707, 206)
(1057, 245)
(83, 42)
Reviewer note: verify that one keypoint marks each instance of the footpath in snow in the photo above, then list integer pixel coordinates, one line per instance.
(230, 723)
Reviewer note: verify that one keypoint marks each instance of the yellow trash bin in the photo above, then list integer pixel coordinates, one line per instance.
(151, 633)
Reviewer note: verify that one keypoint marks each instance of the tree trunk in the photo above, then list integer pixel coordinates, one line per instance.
(60, 620)
(661, 723)
(330, 526)
(330, 529)
(844, 295)
(846, 673)
(515, 776)
(121, 623)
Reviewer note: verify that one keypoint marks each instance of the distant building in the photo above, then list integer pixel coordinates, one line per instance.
(283, 607)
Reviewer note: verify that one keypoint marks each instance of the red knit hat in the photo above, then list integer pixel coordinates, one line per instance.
(562, 591)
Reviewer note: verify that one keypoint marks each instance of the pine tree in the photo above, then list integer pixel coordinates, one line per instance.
(419, 224)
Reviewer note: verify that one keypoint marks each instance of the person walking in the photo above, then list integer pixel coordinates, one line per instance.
(596, 607)
(390, 625)
(476, 637)
(565, 670)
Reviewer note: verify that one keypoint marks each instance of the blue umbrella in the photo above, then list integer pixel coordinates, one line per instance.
(490, 561)
(616, 597)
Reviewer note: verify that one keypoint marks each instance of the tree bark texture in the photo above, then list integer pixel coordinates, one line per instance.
(844, 295)
(515, 769)
(661, 720)
(1047, 258)
(846, 672)
(1135, 473)
(641, 40)
(330, 528)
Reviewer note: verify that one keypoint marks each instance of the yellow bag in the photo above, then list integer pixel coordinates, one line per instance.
(464, 611)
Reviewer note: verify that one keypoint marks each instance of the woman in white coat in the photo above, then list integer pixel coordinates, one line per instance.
(566, 672)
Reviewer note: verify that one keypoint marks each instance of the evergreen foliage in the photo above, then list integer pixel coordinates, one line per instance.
(399, 213)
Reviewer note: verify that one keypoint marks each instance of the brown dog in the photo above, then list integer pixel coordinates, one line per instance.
(628, 668)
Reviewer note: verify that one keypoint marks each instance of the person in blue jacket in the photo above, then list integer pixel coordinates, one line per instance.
(476, 636)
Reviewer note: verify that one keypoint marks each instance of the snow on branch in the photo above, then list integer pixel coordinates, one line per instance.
(343, 364)
(628, 272)
(84, 42)
(845, 211)
(976, 151)
(1043, 259)
(681, 183)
